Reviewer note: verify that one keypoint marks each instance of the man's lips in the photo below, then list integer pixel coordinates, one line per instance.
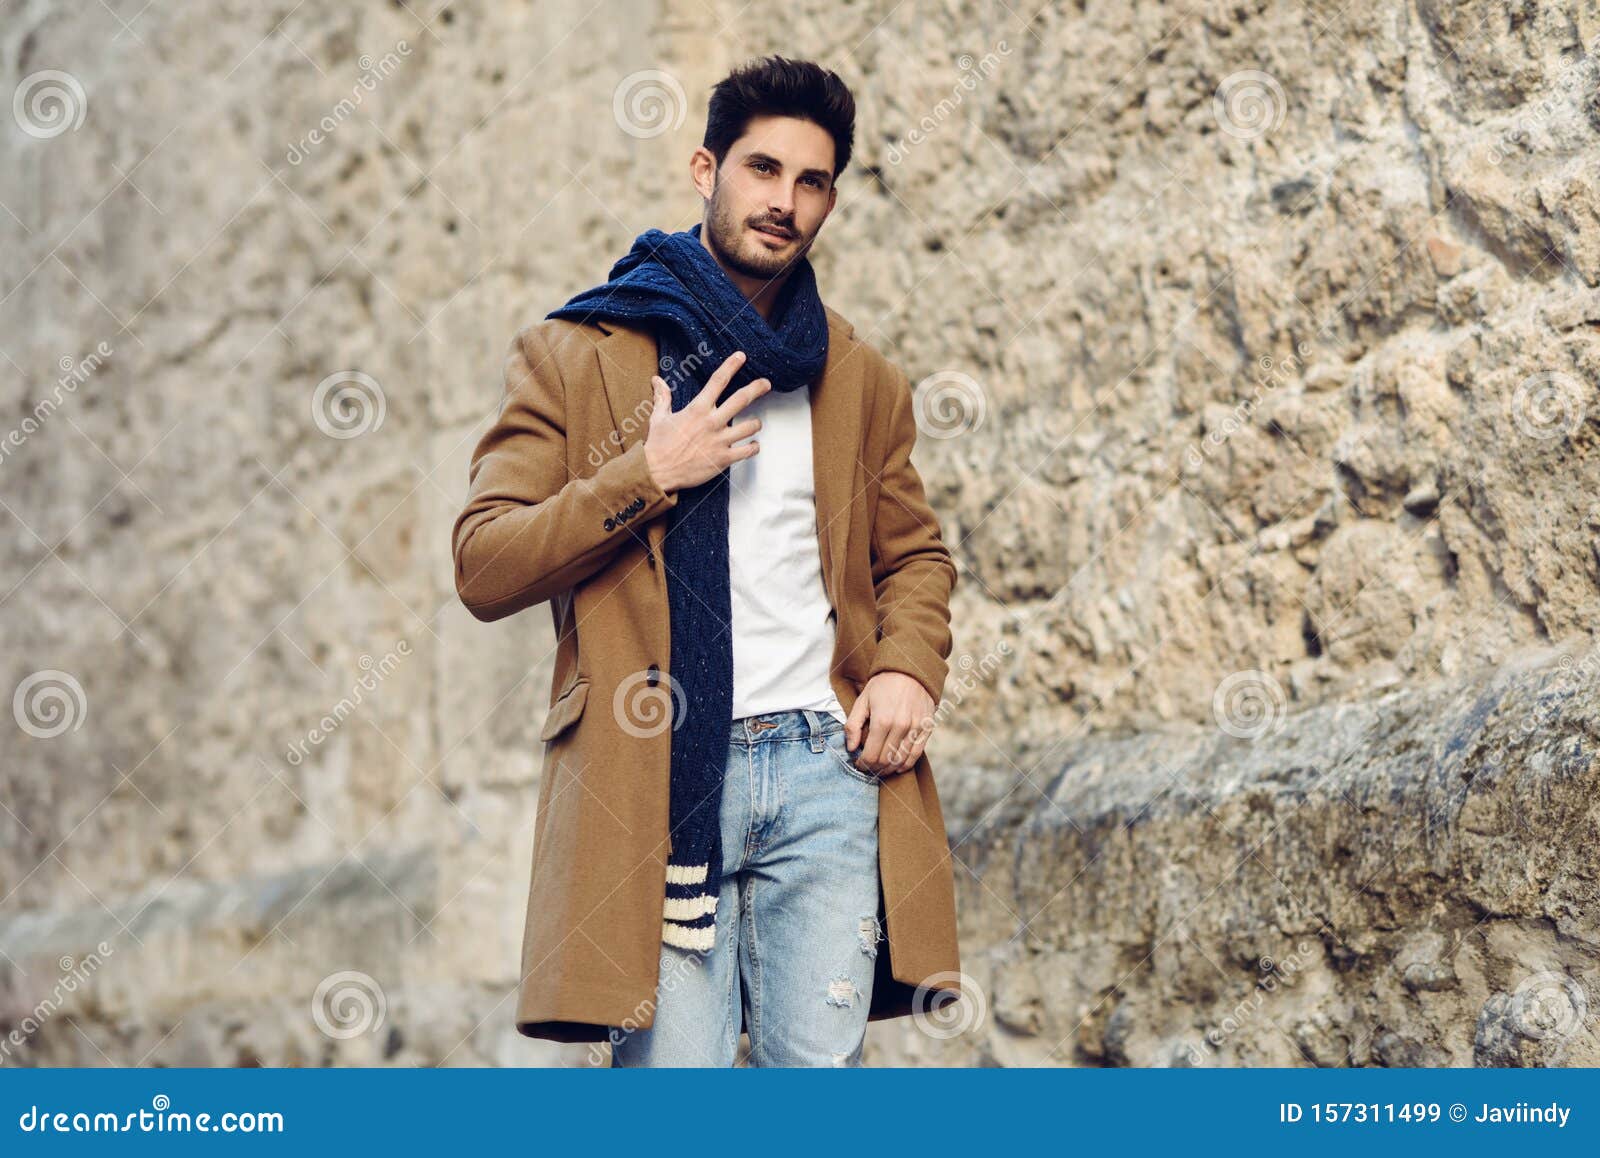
(773, 232)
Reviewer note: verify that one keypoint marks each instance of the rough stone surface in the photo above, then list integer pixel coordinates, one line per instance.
(1402, 881)
(1266, 340)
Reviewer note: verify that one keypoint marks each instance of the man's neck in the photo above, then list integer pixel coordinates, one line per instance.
(761, 294)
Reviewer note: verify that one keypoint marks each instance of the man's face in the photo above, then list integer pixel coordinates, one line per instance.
(773, 192)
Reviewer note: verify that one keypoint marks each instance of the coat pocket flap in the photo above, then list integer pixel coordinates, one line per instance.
(565, 710)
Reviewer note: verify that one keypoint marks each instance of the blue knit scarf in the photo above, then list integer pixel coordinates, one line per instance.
(670, 284)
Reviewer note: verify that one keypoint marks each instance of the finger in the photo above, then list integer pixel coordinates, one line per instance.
(916, 737)
(741, 398)
(856, 721)
(744, 430)
(718, 382)
(895, 745)
(872, 753)
(917, 741)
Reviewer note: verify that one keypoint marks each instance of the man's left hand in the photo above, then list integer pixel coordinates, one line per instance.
(895, 713)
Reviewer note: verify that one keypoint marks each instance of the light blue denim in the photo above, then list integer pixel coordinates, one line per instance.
(797, 914)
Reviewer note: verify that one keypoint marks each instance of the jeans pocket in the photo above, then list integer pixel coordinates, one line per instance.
(836, 748)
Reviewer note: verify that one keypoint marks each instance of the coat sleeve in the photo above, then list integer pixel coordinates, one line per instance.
(530, 530)
(912, 569)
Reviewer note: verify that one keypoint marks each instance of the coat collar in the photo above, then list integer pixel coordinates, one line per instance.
(628, 358)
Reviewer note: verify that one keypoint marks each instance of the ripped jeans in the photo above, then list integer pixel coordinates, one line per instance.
(797, 915)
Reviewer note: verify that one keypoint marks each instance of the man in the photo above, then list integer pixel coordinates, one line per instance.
(763, 624)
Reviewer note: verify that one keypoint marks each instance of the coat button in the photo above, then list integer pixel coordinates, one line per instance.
(652, 676)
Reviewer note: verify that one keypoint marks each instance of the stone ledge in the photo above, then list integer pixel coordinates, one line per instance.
(1409, 880)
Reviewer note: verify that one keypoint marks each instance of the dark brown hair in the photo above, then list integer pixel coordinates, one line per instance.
(777, 87)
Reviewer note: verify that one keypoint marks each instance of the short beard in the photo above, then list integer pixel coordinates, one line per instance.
(727, 235)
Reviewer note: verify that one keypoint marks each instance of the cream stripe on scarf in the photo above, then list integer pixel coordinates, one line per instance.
(688, 908)
(683, 874)
(686, 937)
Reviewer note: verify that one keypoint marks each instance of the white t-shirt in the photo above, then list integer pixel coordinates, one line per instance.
(783, 624)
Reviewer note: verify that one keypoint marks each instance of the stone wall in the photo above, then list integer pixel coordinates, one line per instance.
(1262, 342)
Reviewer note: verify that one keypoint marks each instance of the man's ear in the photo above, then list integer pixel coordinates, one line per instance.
(704, 167)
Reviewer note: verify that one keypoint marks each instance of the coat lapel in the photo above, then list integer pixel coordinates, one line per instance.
(628, 359)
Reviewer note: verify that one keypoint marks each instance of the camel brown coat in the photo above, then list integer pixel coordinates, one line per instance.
(562, 508)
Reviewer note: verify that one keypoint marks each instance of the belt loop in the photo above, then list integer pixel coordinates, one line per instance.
(814, 729)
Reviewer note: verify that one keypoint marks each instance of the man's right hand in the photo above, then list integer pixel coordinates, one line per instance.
(686, 448)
